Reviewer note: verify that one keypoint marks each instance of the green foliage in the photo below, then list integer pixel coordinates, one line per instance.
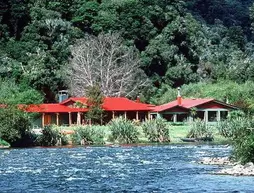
(94, 103)
(231, 13)
(123, 131)
(51, 136)
(244, 149)
(241, 131)
(180, 42)
(226, 128)
(14, 127)
(12, 93)
(234, 115)
(200, 130)
(156, 130)
(84, 14)
(4, 143)
(235, 126)
(88, 135)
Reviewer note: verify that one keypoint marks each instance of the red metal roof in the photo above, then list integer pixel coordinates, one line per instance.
(124, 104)
(116, 104)
(109, 104)
(52, 108)
(186, 103)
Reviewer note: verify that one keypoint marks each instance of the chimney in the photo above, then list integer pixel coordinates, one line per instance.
(138, 99)
(179, 97)
(62, 95)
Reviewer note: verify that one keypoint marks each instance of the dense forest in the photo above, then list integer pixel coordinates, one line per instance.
(204, 46)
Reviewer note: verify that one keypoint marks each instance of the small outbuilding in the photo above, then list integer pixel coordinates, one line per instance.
(185, 110)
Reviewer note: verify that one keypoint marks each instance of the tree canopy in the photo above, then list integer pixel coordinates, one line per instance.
(177, 42)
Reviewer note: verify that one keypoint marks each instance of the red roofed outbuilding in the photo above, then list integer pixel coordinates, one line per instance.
(209, 110)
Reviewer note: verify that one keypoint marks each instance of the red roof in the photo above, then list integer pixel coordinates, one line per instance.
(109, 104)
(186, 103)
(75, 99)
(52, 108)
(116, 104)
(124, 104)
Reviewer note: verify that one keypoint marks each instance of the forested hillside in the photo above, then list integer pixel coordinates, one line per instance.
(206, 46)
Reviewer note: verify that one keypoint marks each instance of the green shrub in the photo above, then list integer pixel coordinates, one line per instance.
(87, 135)
(236, 115)
(200, 130)
(234, 128)
(4, 143)
(156, 130)
(225, 128)
(123, 131)
(243, 149)
(51, 136)
(15, 127)
(241, 131)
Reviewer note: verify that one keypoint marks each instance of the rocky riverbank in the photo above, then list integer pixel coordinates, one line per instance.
(231, 168)
(216, 161)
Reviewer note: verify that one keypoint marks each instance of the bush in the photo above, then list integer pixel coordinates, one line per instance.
(236, 115)
(51, 136)
(87, 135)
(123, 131)
(244, 149)
(225, 128)
(4, 143)
(241, 132)
(200, 130)
(156, 130)
(234, 128)
(15, 127)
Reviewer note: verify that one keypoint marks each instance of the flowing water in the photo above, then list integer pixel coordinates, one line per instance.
(117, 169)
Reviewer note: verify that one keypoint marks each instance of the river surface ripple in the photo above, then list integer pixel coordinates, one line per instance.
(119, 169)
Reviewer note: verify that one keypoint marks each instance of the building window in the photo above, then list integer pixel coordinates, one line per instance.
(200, 115)
(168, 117)
(212, 116)
(182, 117)
(223, 115)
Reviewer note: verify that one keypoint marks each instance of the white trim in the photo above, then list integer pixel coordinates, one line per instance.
(213, 110)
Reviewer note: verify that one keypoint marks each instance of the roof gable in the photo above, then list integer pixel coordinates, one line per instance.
(111, 104)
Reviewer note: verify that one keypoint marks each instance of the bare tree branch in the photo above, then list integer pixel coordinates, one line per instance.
(104, 60)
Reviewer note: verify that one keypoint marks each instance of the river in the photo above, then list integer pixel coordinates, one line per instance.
(117, 169)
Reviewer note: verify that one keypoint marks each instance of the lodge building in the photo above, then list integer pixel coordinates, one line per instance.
(72, 111)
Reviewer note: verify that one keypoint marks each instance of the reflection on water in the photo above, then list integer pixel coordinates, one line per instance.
(118, 169)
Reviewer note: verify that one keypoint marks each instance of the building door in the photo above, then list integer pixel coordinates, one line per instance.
(47, 119)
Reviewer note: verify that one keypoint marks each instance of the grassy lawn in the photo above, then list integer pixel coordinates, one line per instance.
(175, 132)
(178, 132)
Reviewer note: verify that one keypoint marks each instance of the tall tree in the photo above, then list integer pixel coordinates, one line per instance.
(42, 50)
(104, 60)
(94, 104)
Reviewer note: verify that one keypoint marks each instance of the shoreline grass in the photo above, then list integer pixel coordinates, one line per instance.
(175, 133)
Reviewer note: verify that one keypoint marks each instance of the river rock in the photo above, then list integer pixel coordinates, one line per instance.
(232, 168)
(216, 161)
(238, 170)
